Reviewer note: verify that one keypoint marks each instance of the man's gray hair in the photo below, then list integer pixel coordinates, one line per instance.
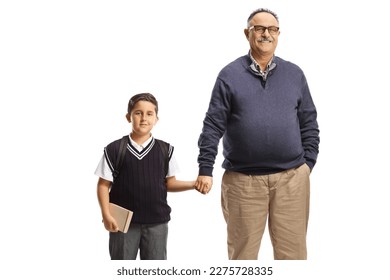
(262, 10)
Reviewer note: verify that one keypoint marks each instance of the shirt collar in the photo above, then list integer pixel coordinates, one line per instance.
(256, 67)
(143, 145)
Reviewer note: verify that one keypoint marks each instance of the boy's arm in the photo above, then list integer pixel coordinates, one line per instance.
(174, 185)
(103, 187)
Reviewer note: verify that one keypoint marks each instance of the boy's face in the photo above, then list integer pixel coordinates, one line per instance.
(143, 117)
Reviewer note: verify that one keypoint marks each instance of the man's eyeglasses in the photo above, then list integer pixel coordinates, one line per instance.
(259, 29)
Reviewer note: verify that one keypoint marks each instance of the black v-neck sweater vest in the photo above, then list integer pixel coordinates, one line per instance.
(140, 186)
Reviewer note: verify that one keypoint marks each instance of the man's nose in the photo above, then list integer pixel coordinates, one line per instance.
(266, 33)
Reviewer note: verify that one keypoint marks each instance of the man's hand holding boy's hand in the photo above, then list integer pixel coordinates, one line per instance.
(203, 184)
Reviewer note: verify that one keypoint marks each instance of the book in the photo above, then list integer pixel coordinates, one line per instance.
(122, 216)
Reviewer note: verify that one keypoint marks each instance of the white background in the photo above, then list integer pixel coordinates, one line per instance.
(68, 69)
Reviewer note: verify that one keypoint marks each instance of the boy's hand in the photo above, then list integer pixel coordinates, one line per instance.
(110, 224)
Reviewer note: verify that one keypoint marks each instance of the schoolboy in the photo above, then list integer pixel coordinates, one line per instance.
(141, 186)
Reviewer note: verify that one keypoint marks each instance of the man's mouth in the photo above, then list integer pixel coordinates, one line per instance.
(264, 40)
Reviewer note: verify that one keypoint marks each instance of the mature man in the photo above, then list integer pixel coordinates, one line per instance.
(262, 107)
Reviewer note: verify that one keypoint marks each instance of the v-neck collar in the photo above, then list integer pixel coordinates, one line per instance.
(140, 154)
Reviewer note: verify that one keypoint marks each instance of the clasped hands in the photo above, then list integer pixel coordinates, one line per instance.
(203, 184)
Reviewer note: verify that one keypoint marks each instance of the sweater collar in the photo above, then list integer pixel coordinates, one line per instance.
(142, 146)
(255, 67)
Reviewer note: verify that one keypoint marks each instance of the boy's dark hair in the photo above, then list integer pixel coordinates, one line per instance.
(142, 97)
(262, 10)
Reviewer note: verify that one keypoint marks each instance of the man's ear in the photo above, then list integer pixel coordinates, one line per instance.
(128, 117)
(246, 32)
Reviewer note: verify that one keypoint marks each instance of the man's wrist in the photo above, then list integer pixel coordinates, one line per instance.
(206, 171)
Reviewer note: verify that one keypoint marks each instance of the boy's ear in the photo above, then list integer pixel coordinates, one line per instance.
(128, 117)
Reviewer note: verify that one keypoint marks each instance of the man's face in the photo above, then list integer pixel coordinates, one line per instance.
(263, 41)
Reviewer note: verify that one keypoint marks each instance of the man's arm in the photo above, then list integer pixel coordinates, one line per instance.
(214, 126)
(307, 115)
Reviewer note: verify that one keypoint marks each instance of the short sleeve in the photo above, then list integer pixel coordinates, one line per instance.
(173, 168)
(103, 170)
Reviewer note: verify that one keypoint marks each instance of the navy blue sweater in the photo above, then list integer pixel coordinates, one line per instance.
(266, 128)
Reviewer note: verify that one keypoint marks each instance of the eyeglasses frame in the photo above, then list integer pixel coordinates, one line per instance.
(264, 29)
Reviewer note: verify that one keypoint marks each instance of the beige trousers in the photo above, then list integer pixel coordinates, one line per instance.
(282, 198)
